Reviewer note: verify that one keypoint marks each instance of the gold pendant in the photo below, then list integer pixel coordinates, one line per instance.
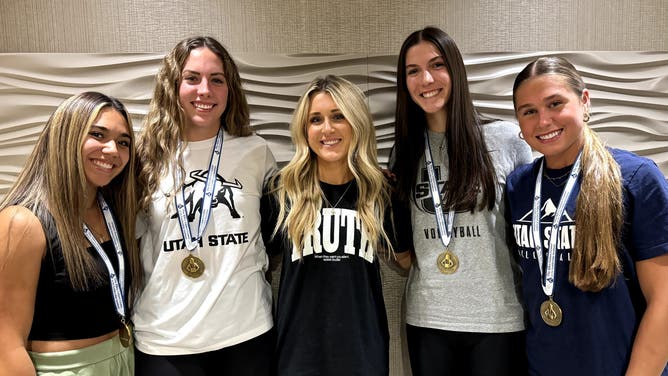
(447, 262)
(551, 312)
(192, 266)
(125, 334)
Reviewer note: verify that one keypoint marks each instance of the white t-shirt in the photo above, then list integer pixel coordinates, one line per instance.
(231, 302)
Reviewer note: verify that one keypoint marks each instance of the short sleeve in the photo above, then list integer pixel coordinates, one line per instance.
(269, 213)
(646, 191)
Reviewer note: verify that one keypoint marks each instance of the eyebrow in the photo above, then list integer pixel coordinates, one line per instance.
(103, 128)
(548, 98)
(198, 73)
(335, 110)
(430, 61)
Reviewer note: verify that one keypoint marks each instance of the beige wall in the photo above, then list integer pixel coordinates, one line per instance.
(629, 89)
(341, 26)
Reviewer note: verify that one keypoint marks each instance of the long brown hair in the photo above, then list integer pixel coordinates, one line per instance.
(164, 125)
(599, 208)
(466, 145)
(53, 183)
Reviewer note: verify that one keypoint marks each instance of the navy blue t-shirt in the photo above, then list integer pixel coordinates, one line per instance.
(598, 329)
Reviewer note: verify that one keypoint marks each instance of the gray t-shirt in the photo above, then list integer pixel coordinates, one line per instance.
(482, 295)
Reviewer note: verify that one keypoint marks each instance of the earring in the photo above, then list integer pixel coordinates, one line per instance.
(586, 117)
(520, 135)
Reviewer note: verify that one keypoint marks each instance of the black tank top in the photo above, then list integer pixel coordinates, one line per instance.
(61, 313)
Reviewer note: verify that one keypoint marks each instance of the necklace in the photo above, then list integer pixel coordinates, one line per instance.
(557, 180)
(329, 204)
(101, 236)
(442, 145)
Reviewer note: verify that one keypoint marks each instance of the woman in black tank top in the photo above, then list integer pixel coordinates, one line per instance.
(68, 256)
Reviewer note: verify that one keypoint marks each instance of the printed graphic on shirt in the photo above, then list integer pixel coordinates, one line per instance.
(425, 203)
(337, 236)
(523, 232)
(223, 195)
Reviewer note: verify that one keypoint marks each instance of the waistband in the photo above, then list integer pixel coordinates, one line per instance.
(64, 360)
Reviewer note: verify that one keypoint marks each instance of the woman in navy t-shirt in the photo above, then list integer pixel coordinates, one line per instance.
(597, 302)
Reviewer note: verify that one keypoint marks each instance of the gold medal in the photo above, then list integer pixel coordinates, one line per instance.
(447, 262)
(125, 334)
(192, 266)
(551, 312)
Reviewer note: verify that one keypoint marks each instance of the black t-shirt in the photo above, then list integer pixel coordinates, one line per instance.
(330, 315)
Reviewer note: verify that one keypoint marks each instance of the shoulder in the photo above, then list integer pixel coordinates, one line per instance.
(252, 139)
(21, 230)
(523, 174)
(629, 161)
(502, 138)
(501, 128)
(502, 134)
(253, 144)
(636, 170)
(19, 217)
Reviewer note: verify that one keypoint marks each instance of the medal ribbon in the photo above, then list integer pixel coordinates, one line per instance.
(209, 187)
(548, 276)
(117, 282)
(444, 227)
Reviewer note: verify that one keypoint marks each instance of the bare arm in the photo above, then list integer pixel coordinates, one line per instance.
(405, 260)
(650, 348)
(22, 246)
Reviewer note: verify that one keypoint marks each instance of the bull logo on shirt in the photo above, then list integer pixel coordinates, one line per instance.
(223, 196)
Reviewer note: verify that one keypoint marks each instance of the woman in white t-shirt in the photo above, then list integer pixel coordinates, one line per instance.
(206, 305)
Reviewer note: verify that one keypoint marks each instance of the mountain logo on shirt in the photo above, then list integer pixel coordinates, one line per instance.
(547, 214)
(523, 232)
(224, 194)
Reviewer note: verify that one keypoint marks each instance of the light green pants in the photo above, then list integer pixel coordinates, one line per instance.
(108, 358)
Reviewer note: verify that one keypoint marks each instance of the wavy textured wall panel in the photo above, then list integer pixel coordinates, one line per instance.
(629, 93)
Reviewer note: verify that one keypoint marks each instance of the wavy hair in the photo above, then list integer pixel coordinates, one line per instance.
(599, 208)
(53, 182)
(297, 186)
(466, 146)
(164, 126)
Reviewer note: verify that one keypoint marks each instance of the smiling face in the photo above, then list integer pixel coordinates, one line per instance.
(427, 79)
(106, 148)
(550, 115)
(328, 131)
(203, 93)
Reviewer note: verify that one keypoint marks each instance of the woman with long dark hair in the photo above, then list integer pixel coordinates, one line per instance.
(464, 315)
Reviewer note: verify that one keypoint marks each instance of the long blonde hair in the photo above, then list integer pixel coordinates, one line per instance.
(159, 144)
(53, 182)
(297, 186)
(599, 210)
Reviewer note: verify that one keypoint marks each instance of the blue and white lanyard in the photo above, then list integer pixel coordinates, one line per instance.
(117, 282)
(444, 227)
(548, 275)
(209, 187)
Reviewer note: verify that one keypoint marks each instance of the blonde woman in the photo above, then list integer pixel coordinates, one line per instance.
(69, 265)
(206, 307)
(324, 217)
(591, 228)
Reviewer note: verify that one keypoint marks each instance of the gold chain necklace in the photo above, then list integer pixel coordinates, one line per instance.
(556, 180)
(101, 236)
(329, 204)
